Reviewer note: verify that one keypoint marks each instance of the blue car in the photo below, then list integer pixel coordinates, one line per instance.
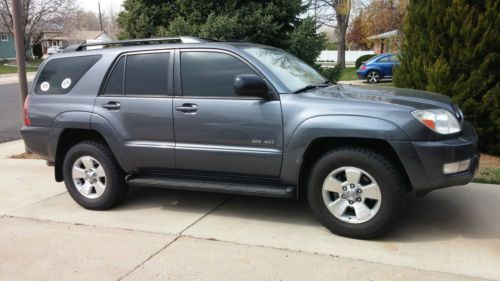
(378, 67)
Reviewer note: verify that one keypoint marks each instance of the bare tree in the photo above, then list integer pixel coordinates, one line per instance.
(85, 20)
(37, 15)
(335, 13)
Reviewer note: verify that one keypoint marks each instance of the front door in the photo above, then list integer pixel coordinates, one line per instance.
(217, 131)
(137, 103)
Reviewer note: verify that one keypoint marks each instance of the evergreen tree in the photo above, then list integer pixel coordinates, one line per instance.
(271, 22)
(452, 47)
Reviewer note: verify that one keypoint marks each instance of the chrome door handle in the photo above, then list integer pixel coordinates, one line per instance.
(187, 108)
(112, 105)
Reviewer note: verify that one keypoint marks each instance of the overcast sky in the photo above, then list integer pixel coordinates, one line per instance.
(106, 5)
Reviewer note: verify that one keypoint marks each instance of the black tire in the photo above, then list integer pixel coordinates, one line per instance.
(376, 75)
(385, 173)
(116, 188)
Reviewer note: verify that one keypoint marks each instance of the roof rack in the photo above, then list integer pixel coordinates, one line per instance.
(182, 39)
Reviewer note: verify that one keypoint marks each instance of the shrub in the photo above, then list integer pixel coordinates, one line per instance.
(362, 59)
(451, 47)
(333, 74)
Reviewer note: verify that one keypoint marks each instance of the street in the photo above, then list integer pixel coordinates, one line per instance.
(10, 112)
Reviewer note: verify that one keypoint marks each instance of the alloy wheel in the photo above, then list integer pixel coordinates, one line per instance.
(351, 195)
(89, 177)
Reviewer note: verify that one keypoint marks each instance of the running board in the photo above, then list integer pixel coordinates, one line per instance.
(257, 189)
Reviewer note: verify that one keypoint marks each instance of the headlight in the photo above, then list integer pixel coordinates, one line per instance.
(439, 120)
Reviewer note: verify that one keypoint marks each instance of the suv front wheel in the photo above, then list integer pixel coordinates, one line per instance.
(93, 177)
(356, 192)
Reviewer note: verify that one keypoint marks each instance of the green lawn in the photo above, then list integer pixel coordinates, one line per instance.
(10, 69)
(488, 175)
(31, 66)
(349, 74)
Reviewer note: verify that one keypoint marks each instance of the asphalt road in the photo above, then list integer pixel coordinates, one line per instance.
(10, 112)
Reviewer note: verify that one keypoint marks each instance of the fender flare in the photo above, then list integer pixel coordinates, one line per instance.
(332, 126)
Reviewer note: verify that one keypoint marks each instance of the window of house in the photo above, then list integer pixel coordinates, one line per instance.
(59, 76)
(139, 75)
(4, 37)
(210, 74)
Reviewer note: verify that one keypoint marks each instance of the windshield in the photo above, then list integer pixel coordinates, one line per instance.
(293, 72)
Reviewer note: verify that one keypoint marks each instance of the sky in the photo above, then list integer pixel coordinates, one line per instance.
(106, 5)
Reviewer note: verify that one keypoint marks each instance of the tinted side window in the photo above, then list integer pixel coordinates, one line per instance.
(146, 74)
(115, 81)
(210, 74)
(384, 59)
(59, 76)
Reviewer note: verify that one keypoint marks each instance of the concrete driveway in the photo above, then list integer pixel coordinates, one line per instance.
(453, 234)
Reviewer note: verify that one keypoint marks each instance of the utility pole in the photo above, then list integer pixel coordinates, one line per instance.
(20, 50)
(100, 15)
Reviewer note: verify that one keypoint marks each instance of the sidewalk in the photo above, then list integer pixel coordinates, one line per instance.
(157, 234)
(12, 78)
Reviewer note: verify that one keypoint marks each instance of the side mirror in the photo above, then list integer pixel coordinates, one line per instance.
(249, 85)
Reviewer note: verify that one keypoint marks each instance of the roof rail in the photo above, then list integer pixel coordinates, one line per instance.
(182, 39)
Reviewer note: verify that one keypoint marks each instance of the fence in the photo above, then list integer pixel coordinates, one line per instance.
(327, 57)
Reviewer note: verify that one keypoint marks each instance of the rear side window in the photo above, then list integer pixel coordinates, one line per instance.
(115, 82)
(139, 75)
(59, 76)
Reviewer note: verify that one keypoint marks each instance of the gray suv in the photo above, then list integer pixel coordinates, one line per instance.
(241, 118)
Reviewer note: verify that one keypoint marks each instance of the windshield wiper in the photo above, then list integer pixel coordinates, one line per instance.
(313, 86)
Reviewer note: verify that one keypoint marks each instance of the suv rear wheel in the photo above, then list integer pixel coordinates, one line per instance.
(356, 192)
(93, 177)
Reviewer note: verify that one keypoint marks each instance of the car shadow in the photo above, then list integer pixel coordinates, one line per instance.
(466, 212)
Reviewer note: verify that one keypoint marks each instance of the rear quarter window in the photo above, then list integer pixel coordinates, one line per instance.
(60, 75)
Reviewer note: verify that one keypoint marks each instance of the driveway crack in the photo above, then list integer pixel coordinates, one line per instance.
(177, 237)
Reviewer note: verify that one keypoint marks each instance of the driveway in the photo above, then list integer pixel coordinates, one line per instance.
(452, 234)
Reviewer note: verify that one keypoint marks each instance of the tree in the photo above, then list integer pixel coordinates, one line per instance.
(36, 16)
(337, 11)
(86, 20)
(356, 35)
(382, 16)
(451, 47)
(271, 22)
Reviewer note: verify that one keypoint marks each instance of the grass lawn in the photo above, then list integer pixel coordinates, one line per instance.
(349, 74)
(31, 66)
(489, 170)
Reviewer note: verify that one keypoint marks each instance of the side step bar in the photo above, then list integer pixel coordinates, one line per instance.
(257, 189)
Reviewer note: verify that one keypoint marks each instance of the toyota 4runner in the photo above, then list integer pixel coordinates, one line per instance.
(241, 118)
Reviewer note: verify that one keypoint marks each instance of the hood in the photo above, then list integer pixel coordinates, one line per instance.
(414, 99)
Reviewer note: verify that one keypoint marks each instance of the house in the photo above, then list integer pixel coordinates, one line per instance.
(7, 45)
(59, 38)
(387, 42)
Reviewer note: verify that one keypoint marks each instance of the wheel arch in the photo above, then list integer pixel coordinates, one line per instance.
(70, 137)
(318, 147)
(322, 133)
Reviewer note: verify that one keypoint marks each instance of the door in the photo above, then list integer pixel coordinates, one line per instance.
(217, 131)
(386, 65)
(137, 103)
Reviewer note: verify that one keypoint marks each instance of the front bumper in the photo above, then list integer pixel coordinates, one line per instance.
(424, 160)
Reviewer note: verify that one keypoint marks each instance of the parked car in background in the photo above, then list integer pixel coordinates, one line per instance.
(378, 67)
(54, 50)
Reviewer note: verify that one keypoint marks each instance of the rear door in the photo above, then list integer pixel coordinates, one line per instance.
(137, 103)
(217, 131)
